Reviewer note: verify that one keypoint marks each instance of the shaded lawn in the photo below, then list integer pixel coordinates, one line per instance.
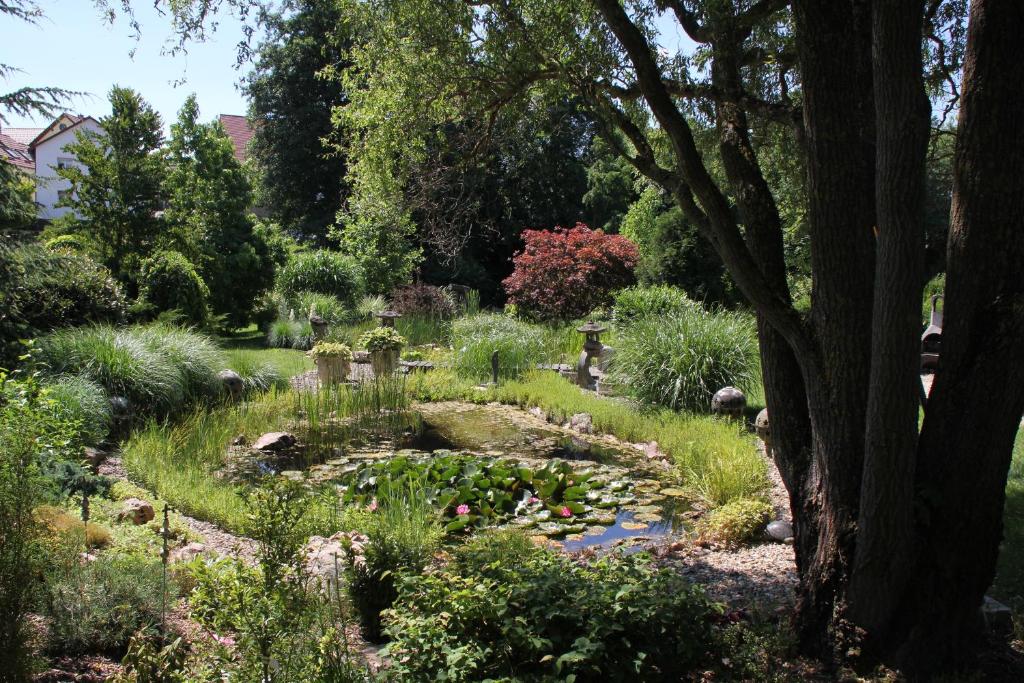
(1009, 583)
(250, 345)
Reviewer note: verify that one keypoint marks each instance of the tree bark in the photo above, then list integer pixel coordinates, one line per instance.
(976, 403)
(885, 528)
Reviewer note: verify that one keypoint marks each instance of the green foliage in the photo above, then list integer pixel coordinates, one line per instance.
(382, 339)
(286, 333)
(300, 181)
(23, 426)
(115, 193)
(148, 661)
(633, 303)
(207, 216)
(43, 290)
(611, 189)
(369, 305)
(402, 536)
(331, 350)
(541, 616)
(160, 369)
(258, 372)
(17, 199)
(937, 285)
(680, 361)
(169, 282)
(96, 606)
(472, 492)
(736, 522)
(323, 272)
(72, 243)
(519, 344)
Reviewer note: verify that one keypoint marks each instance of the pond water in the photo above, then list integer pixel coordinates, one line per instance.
(646, 509)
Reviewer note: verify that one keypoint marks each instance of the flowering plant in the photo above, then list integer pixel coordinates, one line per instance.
(382, 339)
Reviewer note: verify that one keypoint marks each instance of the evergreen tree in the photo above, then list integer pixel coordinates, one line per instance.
(208, 219)
(115, 195)
(17, 208)
(302, 181)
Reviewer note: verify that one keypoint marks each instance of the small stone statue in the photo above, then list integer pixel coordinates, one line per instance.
(764, 431)
(730, 402)
(494, 368)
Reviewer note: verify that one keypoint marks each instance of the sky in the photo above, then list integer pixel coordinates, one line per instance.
(75, 48)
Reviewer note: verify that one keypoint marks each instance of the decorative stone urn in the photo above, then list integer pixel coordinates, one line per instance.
(333, 362)
(729, 402)
(383, 343)
(384, 362)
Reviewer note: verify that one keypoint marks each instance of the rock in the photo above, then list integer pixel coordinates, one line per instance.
(536, 411)
(136, 510)
(582, 422)
(998, 617)
(274, 441)
(652, 452)
(780, 530)
(94, 456)
(326, 558)
(232, 382)
(188, 552)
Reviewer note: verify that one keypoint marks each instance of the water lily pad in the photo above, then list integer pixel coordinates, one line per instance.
(673, 491)
(648, 517)
(633, 526)
(594, 530)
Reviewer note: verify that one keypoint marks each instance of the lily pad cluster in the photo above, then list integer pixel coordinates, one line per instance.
(473, 491)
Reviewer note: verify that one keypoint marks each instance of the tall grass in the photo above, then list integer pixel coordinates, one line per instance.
(717, 461)
(286, 333)
(179, 461)
(82, 401)
(680, 361)
(419, 329)
(520, 345)
(158, 368)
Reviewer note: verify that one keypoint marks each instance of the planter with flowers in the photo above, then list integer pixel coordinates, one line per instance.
(333, 362)
(384, 345)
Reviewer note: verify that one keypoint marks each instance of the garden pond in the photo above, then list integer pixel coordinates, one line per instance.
(490, 465)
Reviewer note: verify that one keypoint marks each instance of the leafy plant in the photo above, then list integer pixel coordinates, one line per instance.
(331, 350)
(564, 274)
(148, 661)
(680, 361)
(382, 339)
(544, 616)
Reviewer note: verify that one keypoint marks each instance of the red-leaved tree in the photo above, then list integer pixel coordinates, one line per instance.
(563, 274)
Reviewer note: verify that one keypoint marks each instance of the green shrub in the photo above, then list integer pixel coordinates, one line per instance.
(323, 272)
(937, 285)
(681, 360)
(368, 305)
(74, 243)
(84, 402)
(96, 607)
(331, 350)
(735, 522)
(633, 303)
(403, 534)
(520, 345)
(169, 282)
(158, 368)
(544, 616)
(286, 333)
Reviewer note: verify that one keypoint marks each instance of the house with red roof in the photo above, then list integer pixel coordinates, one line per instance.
(238, 129)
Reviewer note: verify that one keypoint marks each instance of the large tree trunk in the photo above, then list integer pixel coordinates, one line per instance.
(978, 397)
(834, 48)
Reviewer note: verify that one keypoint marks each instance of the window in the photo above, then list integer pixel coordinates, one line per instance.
(66, 162)
(63, 195)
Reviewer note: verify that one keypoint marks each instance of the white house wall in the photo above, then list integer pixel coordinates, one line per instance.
(49, 153)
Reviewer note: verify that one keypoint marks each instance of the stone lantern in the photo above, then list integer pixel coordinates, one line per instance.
(591, 349)
(387, 318)
(730, 402)
(931, 340)
(319, 326)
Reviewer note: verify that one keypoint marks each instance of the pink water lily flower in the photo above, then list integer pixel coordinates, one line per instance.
(566, 512)
(372, 506)
(462, 509)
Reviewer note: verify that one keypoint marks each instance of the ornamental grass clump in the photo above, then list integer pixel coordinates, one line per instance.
(519, 344)
(681, 360)
(735, 522)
